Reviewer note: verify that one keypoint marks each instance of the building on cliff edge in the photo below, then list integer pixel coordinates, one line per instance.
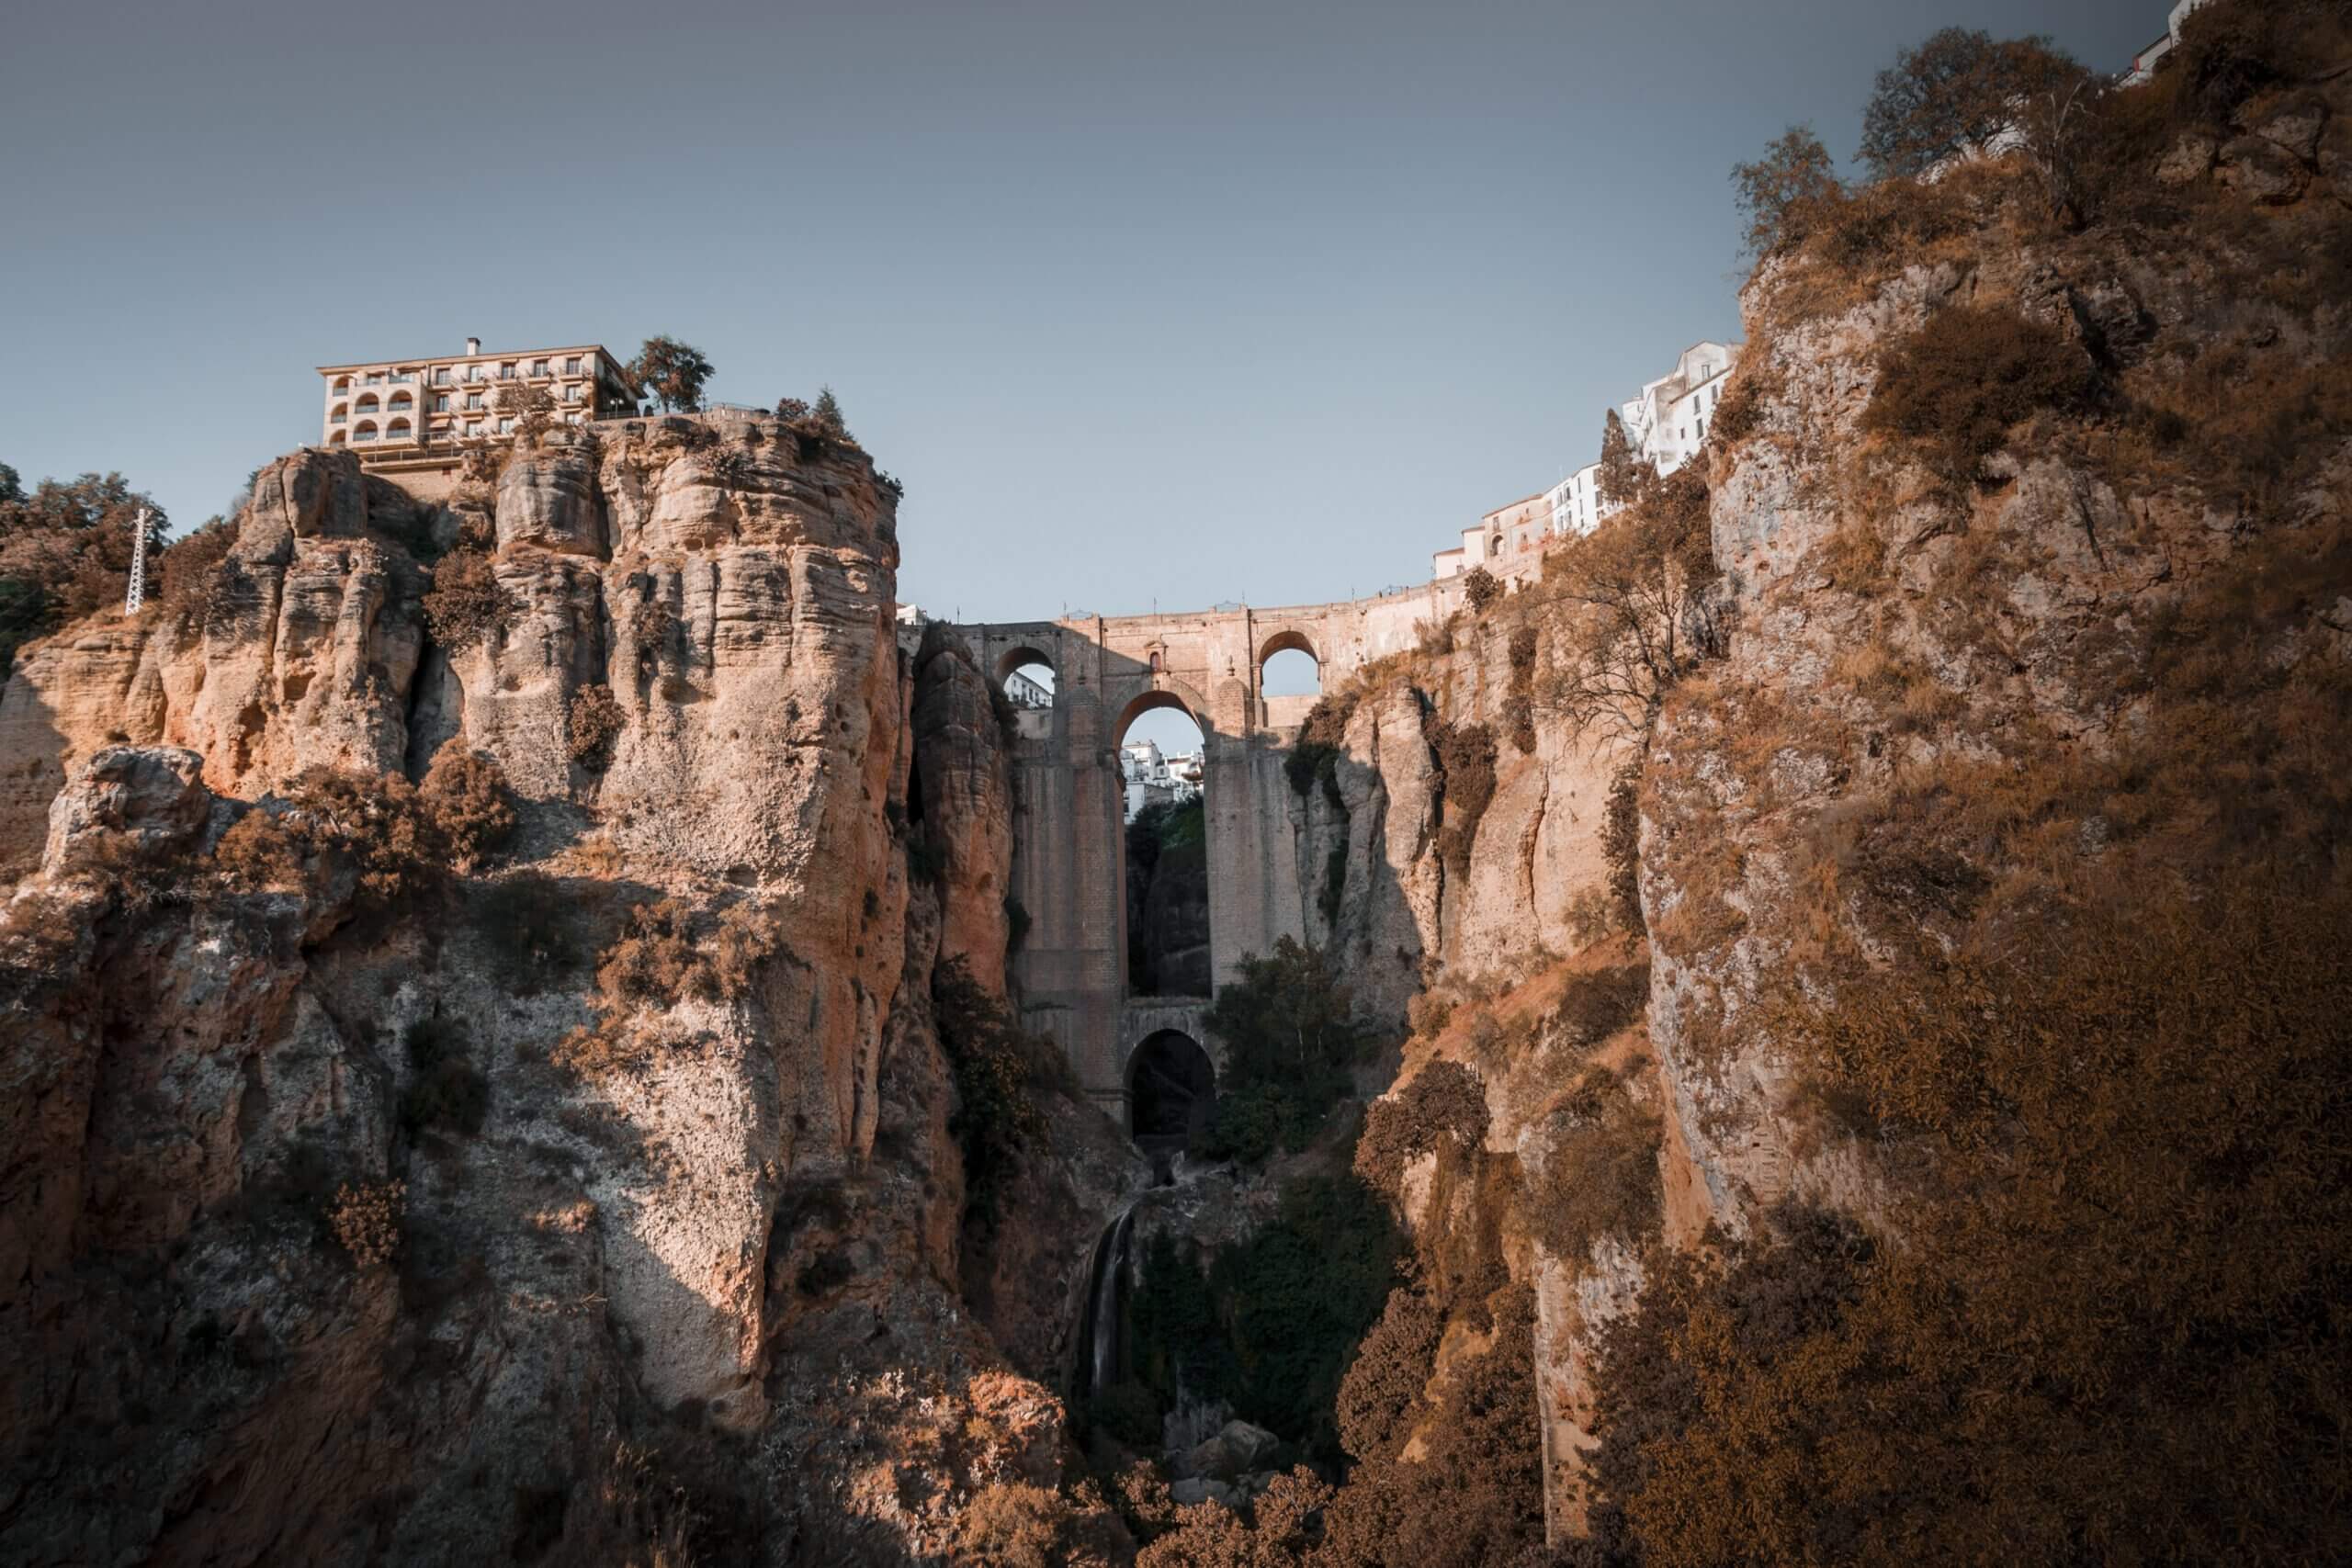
(1667, 425)
(409, 416)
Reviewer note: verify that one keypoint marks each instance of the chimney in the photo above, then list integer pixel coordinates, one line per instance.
(473, 346)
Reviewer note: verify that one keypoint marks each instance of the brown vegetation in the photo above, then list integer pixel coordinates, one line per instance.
(466, 602)
(369, 1219)
(1966, 376)
(597, 721)
(1597, 1176)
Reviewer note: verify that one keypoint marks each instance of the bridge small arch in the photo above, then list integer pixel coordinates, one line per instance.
(1028, 678)
(1288, 666)
(1171, 1091)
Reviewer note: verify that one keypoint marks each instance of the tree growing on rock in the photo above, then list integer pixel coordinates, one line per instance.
(1782, 194)
(532, 409)
(1643, 589)
(1482, 588)
(673, 373)
(1960, 94)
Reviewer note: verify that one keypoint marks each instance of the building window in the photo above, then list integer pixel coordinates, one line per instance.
(337, 417)
(473, 401)
(572, 394)
(441, 403)
(538, 367)
(473, 427)
(343, 383)
(375, 378)
(440, 375)
(507, 371)
(571, 365)
(364, 431)
(395, 431)
(505, 427)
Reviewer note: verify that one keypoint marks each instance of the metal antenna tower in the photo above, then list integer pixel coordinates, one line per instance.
(138, 593)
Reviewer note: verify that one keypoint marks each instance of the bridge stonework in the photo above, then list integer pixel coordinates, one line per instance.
(1070, 859)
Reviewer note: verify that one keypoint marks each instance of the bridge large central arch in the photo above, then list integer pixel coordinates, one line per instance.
(1069, 862)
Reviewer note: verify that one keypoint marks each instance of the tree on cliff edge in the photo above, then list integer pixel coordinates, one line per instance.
(672, 372)
(65, 551)
(1957, 95)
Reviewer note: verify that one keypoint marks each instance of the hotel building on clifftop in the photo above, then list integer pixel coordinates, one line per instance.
(412, 414)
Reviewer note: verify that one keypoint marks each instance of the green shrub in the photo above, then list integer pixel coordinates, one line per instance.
(999, 1072)
(1482, 588)
(1290, 1037)
(444, 1091)
(530, 926)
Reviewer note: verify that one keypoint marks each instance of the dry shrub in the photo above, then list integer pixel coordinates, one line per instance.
(2114, 1328)
(465, 602)
(1012, 1524)
(1967, 375)
(466, 796)
(188, 574)
(1465, 765)
(1621, 846)
(595, 722)
(660, 958)
(1475, 1497)
(369, 1220)
(1445, 1107)
(1384, 1396)
(1481, 588)
(1597, 1004)
(329, 826)
(1593, 915)
(1316, 756)
(1599, 1177)
(260, 853)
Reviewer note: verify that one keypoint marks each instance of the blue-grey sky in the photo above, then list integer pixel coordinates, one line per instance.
(1166, 303)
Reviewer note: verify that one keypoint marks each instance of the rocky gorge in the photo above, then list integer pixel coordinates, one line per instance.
(1828, 999)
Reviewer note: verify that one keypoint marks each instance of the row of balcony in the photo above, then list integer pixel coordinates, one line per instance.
(474, 374)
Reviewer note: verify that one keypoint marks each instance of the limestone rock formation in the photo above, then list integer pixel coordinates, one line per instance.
(430, 1221)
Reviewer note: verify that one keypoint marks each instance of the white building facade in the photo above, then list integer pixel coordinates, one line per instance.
(1667, 425)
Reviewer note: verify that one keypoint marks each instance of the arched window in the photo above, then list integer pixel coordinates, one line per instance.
(335, 439)
(401, 402)
(366, 403)
(397, 431)
(337, 416)
(343, 383)
(364, 431)
(1287, 667)
(1162, 762)
(1028, 680)
(1171, 1085)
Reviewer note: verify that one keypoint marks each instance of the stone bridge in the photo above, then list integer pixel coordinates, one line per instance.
(1070, 859)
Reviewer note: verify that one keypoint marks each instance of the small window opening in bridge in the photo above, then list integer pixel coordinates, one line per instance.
(1163, 777)
(1291, 672)
(1170, 1088)
(1028, 683)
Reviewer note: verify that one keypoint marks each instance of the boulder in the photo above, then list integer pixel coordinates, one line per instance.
(2260, 169)
(153, 795)
(1238, 1449)
(2191, 159)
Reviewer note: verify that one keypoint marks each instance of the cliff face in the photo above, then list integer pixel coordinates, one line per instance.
(708, 1214)
(2006, 679)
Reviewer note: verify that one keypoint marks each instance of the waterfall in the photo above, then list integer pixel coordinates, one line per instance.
(1099, 1320)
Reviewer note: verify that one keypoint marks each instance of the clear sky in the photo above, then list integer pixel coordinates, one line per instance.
(1168, 303)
